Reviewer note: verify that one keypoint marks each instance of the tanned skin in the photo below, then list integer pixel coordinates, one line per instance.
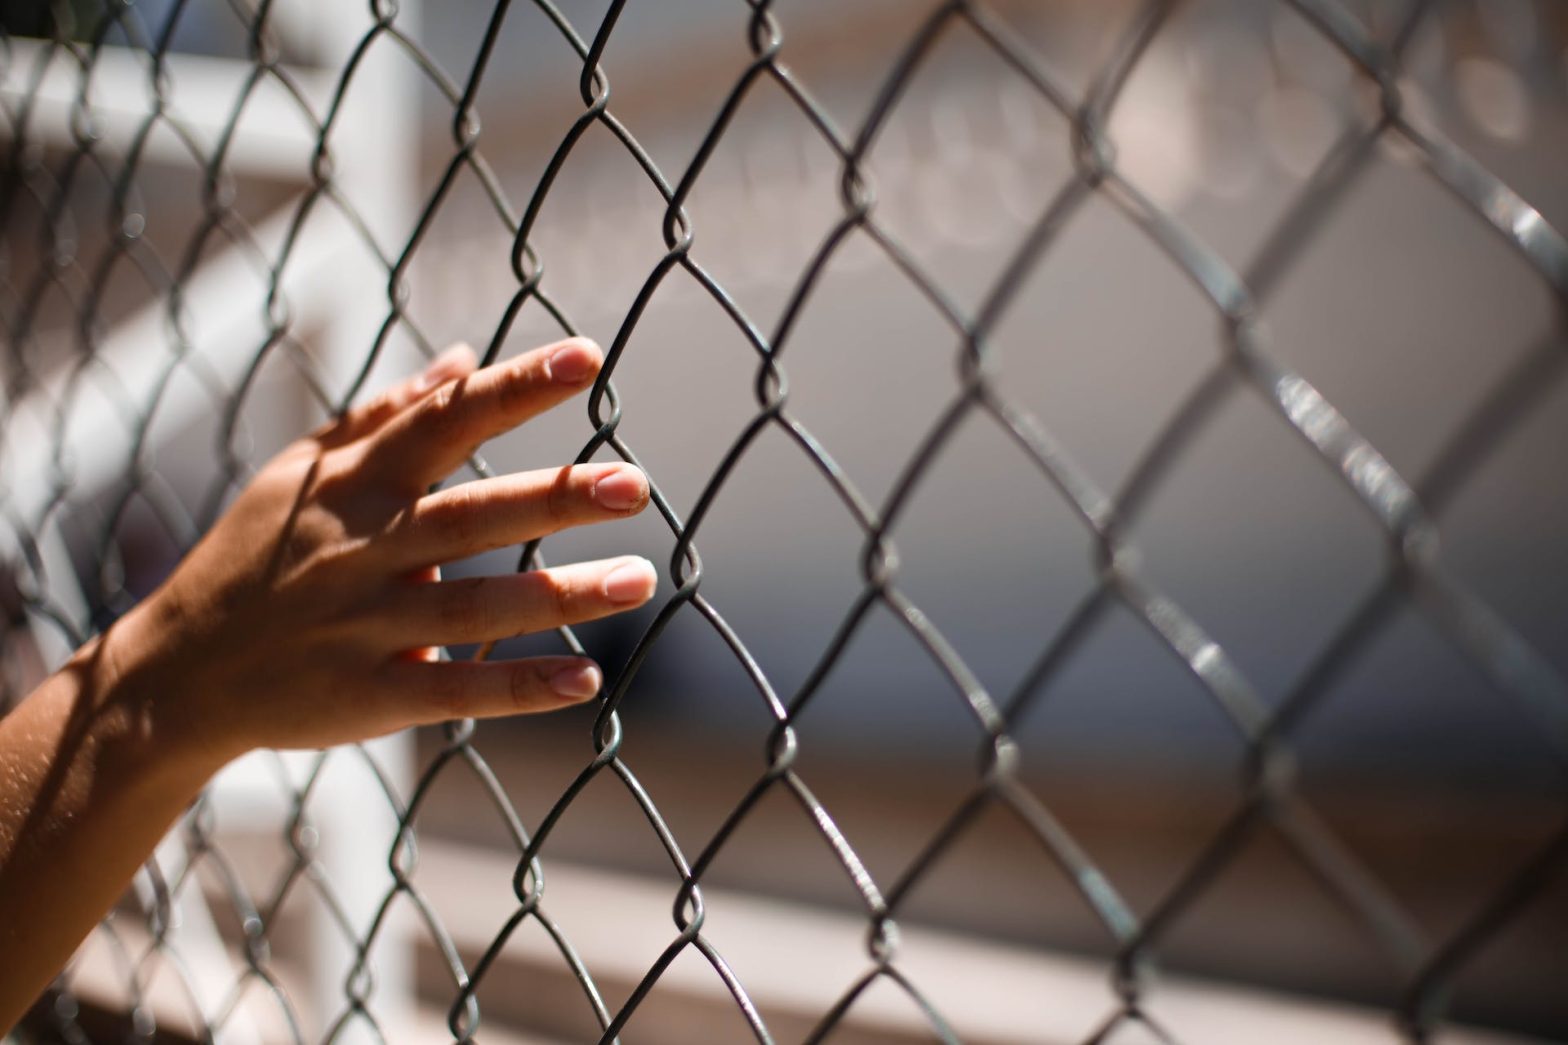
(308, 616)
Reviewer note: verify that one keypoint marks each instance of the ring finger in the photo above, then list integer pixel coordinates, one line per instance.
(485, 609)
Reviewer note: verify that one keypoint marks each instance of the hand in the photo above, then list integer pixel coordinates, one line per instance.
(306, 617)
(310, 613)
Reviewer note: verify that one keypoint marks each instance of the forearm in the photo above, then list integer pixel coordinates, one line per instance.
(92, 779)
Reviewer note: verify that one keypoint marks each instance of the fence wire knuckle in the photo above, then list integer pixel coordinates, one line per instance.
(78, 228)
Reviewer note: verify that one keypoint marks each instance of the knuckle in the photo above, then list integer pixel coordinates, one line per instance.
(338, 480)
(560, 594)
(316, 555)
(374, 413)
(457, 520)
(523, 682)
(515, 391)
(441, 416)
(444, 399)
(560, 499)
(449, 693)
(461, 609)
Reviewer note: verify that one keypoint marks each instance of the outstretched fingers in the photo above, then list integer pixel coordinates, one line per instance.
(426, 443)
(416, 434)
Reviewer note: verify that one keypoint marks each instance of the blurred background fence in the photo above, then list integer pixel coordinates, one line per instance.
(1124, 443)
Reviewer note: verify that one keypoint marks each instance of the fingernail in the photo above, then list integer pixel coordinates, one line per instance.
(632, 581)
(449, 364)
(577, 683)
(575, 362)
(621, 490)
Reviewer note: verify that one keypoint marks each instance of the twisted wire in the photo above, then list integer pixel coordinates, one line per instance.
(1405, 511)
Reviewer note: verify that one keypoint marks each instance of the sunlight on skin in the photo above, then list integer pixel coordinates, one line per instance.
(310, 615)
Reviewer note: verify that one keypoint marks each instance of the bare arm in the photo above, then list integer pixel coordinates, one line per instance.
(309, 616)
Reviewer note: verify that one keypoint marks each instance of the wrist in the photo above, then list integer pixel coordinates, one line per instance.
(144, 701)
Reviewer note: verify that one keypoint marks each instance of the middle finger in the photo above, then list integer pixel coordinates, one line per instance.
(486, 514)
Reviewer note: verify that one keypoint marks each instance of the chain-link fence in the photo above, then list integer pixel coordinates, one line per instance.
(223, 222)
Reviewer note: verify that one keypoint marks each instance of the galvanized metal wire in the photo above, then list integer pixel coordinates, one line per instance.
(1406, 509)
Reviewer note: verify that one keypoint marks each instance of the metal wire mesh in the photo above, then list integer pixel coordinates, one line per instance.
(79, 254)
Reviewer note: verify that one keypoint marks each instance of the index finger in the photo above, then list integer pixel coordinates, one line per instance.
(428, 441)
(456, 361)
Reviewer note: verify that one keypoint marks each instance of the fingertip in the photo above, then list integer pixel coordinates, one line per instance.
(576, 682)
(574, 361)
(624, 489)
(631, 581)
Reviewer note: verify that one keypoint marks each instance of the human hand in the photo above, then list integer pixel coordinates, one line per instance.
(310, 614)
